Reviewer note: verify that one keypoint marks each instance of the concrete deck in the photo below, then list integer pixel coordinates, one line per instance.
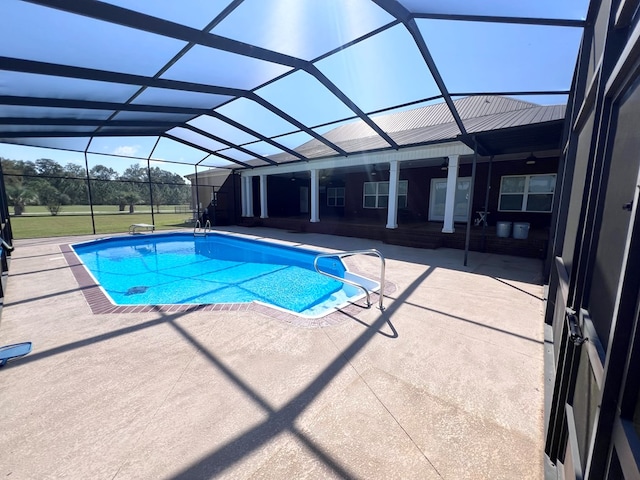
(446, 383)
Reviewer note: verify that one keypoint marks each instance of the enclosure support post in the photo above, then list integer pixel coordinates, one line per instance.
(450, 199)
(486, 207)
(153, 220)
(150, 191)
(470, 204)
(197, 199)
(86, 167)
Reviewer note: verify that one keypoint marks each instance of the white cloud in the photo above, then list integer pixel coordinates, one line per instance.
(127, 150)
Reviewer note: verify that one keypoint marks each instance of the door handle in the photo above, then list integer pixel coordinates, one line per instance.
(628, 206)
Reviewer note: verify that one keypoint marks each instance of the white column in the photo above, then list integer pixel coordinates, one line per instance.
(450, 199)
(392, 210)
(315, 196)
(243, 194)
(263, 197)
(249, 196)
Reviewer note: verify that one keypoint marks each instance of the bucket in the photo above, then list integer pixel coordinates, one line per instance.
(503, 229)
(521, 230)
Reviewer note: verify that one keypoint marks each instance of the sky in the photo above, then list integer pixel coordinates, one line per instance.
(381, 72)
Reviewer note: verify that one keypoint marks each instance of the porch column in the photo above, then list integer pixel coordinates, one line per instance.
(249, 196)
(315, 197)
(243, 195)
(450, 199)
(263, 197)
(392, 209)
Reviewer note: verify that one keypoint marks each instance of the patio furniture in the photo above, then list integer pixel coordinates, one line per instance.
(141, 226)
(482, 218)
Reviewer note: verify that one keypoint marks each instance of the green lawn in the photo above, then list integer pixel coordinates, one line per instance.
(36, 225)
(105, 209)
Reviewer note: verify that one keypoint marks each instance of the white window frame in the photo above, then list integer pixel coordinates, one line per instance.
(335, 193)
(403, 192)
(526, 193)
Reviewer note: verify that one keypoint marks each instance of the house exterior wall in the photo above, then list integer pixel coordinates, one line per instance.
(227, 194)
(498, 170)
(283, 194)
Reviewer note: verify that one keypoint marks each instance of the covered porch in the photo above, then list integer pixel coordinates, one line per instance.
(415, 234)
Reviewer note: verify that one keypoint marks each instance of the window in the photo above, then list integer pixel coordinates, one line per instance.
(376, 194)
(335, 196)
(527, 193)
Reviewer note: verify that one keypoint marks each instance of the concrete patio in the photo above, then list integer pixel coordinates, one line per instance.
(446, 383)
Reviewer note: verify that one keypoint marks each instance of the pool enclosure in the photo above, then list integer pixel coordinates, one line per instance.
(265, 91)
(333, 95)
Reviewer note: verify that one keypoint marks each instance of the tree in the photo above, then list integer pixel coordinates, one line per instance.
(137, 178)
(158, 196)
(104, 190)
(50, 196)
(48, 168)
(168, 188)
(19, 173)
(131, 198)
(18, 196)
(75, 184)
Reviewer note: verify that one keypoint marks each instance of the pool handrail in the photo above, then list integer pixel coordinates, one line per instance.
(199, 230)
(371, 251)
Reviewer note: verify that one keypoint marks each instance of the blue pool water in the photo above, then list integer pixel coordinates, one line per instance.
(179, 268)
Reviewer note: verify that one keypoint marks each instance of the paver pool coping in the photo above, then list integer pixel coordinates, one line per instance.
(101, 304)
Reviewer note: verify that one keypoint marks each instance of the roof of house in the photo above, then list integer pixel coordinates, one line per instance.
(434, 123)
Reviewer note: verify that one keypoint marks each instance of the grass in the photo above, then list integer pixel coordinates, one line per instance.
(99, 209)
(37, 225)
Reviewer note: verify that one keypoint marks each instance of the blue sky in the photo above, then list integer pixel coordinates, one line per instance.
(381, 72)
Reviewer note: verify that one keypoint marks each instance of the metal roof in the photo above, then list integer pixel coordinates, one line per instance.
(433, 123)
(250, 82)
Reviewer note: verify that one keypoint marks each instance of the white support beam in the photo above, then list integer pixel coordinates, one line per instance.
(250, 197)
(263, 197)
(315, 196)
(450, 199)
(243, 195)
(392, 209)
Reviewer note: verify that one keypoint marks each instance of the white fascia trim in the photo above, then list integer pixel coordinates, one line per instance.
(363, 159)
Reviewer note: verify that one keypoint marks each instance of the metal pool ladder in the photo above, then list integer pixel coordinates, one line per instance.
(350, 253)
(198, 231)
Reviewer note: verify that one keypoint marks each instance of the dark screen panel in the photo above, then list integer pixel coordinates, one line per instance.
(621, 185)
(585, 405)
(599, 36)
(577, 191)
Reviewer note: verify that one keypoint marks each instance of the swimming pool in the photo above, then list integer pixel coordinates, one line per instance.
(180, 268)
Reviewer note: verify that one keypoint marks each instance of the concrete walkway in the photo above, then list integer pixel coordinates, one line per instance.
(446, 383)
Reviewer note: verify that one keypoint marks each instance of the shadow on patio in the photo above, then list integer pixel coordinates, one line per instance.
(455, 391)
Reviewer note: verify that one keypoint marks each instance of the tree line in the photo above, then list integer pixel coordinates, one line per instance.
(46, 182)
